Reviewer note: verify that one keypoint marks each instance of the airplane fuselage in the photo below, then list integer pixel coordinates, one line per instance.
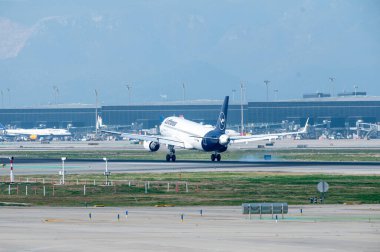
(37, 132)
(194, 135)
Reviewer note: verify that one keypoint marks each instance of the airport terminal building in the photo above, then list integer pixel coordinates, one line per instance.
(339, 111)
(50, 117)
(151, 116)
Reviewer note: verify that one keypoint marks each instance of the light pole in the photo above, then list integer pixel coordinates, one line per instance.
(356, 89)
(267, 84)
(241, 109)
(332, 85)
(106, 173)
(184, 92)
(2, 99)
(63, 170)
(129, 87)
(55, 94)
(9, 97)
(96, 112)
(275, 94)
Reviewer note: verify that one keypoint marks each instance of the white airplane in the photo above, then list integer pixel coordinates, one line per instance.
(34, 134)
(181, 133)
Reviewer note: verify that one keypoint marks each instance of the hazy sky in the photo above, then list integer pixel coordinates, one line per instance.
(60, 51)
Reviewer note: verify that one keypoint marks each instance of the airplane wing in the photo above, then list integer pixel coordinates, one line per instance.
(244, 139)
(112, 132)
(154, 138)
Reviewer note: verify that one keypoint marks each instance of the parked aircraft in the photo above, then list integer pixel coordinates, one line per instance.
(181, 133)
(33, 134)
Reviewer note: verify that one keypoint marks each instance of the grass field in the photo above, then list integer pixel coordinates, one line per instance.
(254, 154)
(205, 188)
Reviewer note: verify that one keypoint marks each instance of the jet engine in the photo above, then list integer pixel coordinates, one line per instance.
(224, 139)
(151, 146)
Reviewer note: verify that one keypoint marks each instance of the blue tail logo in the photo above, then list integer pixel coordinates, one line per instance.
(222, 119)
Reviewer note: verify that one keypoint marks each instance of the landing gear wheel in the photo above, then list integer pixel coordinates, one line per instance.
(171, 157)
(218, 157)
(171, 154)
(213, 157)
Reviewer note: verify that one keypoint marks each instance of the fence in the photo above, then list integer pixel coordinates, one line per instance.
(50, 187)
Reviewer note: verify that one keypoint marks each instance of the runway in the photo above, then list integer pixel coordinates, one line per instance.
(319, 228)
(49, 166)
(126, 145)
(52, 166)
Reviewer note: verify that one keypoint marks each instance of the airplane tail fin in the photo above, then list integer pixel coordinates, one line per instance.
(306, 128)
(162, 118)
(222, 118)
(99, 123)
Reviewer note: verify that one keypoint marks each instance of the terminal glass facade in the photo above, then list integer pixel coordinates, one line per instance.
(338, 112)
(152, 115)
(50, 118)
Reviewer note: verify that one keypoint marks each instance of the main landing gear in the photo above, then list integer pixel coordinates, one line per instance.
(171, 154)
(216, 156)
